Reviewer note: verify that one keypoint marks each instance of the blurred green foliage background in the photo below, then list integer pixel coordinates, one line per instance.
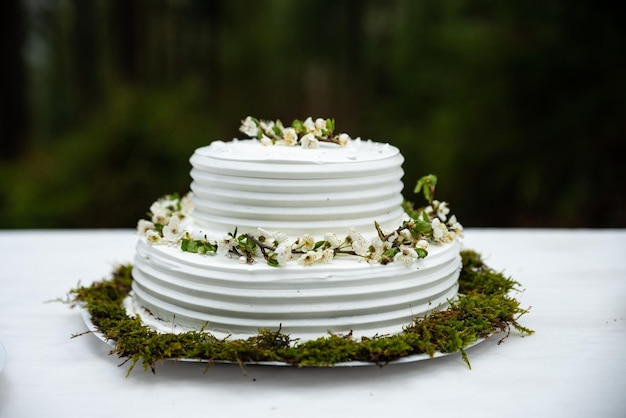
(517, 106)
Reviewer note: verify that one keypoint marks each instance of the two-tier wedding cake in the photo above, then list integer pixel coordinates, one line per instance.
(294, 229)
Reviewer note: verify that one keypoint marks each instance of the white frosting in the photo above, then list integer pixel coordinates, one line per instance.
(297, 191)
(247, 185)
(187, 291)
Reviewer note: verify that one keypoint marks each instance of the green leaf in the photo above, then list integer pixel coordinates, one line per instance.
(421, 253)
(427, 185)
(271, 261)
(298, 125)
(319, 244)
(189, 246)
(330, 125)
(421, 226)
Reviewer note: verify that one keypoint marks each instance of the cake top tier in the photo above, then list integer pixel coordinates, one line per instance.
(327, 161)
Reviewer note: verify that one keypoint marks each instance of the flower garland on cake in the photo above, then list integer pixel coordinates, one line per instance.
(405, 244)
(307, 133)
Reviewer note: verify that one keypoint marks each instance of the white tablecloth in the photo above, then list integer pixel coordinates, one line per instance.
(573, 366)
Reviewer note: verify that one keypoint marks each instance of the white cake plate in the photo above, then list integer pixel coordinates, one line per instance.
(408, 359)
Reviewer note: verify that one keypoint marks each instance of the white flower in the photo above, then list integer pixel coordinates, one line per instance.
(161, 219)
(280, 237)
(309, 258)
(344, 140)
(455, 226)
(377, 248)
(198, 234)
(358, 243)
(320, 125)
(309, 141)
(406, 255)
(332, 240)
(143, 226)
(266, 141)
(243, 260)
(225, 244)
(158, 207)
(249, 127)
(186, 204)
(263, 233)
(423, 244)
(442, 209)
(153, 237)
(309, 125)
(392, 237)
(290, 137)
(440, 231)
(172, 232)
(283, 253)
(327, 255)
(267, 127)
(306, 242)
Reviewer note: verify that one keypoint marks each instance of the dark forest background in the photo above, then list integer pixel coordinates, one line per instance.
(518, 106)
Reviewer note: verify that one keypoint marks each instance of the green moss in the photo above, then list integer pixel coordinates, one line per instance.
(484, 309)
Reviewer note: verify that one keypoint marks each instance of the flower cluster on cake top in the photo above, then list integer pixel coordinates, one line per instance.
(405, 244)
(307, 134)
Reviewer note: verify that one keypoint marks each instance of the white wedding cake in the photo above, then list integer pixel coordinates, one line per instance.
(294, 230)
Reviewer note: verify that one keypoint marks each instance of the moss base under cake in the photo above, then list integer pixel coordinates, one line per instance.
(483, 308)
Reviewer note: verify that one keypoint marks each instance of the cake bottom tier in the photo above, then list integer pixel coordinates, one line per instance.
(175, 291)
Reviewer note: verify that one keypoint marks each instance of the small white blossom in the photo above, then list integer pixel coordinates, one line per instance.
(309, 141)
(405, 235)
(225, 244)
(197, 234)
(280, 237)
(267, 126)
(249, 127)
(392, 237)
(283, 253)
(320, 125)
(442, 209)
(266, 141)
(158, 208)
(261, 232)
(143, 226)
(243, 260)
(290, 137)
(309, 258)
(455, 226)
(309, 125)
(172, 232)
(306, 242)
(332, 240)
(160, 219)
(377, 248)
(344, 140)
(406, 255)
(440, 231)
(423, 244)
(327, 255)
(358, 243)
(153, 237)
(186, 204)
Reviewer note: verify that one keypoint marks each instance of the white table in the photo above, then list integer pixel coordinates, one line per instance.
(573, 366)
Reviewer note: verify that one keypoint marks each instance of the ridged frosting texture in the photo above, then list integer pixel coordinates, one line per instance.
(247, 185)
(185, 291)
